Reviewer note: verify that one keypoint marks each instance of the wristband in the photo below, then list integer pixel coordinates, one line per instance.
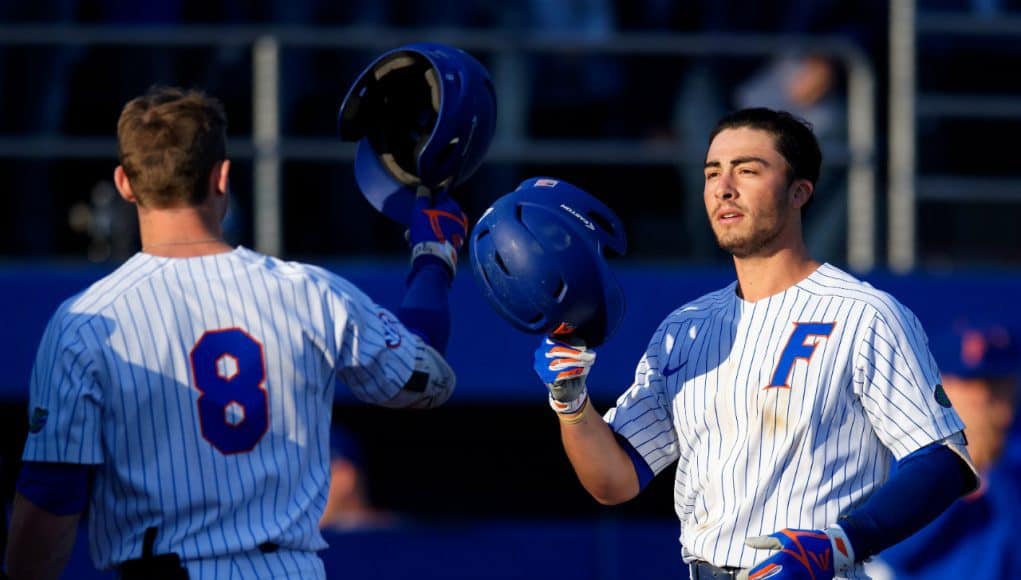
(571, 409)
(843, 551)
(442, 250)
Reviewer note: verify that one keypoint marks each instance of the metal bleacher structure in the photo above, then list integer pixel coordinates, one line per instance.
(910, 104)
(267, 148)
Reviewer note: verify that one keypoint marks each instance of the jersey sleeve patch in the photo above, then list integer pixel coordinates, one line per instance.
(390, 328)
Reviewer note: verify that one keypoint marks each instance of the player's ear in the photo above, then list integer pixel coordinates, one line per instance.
(218, 177)
(120, 180)
(801, 192)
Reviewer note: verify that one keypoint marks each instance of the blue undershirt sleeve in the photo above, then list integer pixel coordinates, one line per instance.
(923, 486)
(642, 469)
(59, 488)
(425, 309)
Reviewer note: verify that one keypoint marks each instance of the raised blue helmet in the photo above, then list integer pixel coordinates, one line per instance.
(539, 256)
(423, 114)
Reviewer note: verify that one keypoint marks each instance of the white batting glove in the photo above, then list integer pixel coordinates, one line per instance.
(804, 554)
(562, 364)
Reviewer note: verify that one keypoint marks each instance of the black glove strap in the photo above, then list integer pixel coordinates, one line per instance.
(152, 567)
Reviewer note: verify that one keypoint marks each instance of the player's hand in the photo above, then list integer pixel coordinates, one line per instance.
(562, 362)
(804, 554)
(438, 227)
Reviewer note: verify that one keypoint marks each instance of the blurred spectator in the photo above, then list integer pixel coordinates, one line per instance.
(348, 507)
(976, 537)
(572, 93)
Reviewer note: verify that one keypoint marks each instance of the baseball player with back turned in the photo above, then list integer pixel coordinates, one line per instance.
(783, 397)
(186, 397)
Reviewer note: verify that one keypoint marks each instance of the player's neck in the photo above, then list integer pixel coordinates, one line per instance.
(759, 277)
(184, 232)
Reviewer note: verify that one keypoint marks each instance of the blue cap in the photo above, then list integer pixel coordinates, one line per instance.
(970, 350)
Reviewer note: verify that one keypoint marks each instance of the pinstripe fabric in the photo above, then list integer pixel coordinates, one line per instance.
(115, 373)
(753, 459)
(280, 565)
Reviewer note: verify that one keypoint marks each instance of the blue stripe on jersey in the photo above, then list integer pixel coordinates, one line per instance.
(163, 295)
(83, 383)
(238, 486)
(268, 335)
(106, 541)
(181, 322)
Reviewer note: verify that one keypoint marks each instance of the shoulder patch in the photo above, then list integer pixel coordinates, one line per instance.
(391, 329)
(38, 420)
(941, 396)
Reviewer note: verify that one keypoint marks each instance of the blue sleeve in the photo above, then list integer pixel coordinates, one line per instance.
(59, 488)
(642, 469)
(923, 486)
(425, 309)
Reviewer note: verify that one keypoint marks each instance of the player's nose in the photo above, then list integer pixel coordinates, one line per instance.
(723, 187)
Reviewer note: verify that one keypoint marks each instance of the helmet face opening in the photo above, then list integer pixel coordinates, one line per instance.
(425, 114)
(401, 98)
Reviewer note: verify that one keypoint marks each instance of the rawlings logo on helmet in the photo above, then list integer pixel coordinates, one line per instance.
(570, 210)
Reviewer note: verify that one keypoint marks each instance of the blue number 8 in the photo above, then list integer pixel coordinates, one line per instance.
(229, 370)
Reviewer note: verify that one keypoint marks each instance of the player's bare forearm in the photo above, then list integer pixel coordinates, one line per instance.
(40, 542)
(602, 466)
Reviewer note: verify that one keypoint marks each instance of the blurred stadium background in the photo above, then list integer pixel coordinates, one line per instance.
(917, 104)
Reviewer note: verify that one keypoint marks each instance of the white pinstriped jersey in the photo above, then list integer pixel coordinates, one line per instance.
(782, 413)
(203, 388)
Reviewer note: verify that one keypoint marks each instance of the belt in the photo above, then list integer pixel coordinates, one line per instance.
(700, 570)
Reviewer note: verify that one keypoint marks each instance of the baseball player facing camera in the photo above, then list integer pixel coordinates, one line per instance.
(782, 398)
(185, 399)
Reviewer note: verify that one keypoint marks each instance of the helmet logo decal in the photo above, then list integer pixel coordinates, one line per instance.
(583, 219)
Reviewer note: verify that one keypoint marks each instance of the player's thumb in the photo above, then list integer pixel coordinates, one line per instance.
(763, 543)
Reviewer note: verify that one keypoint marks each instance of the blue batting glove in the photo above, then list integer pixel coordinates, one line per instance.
(562, 363)
(438, 227)
(804, 555)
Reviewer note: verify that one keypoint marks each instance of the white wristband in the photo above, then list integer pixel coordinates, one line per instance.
(569, 407)
(843, 552)
(442, 250)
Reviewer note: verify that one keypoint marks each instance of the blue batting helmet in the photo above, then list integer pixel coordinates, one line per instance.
(538, 255)
(423, 114)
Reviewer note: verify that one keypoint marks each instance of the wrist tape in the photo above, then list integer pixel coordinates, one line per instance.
(567, 408)
(442, 250)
